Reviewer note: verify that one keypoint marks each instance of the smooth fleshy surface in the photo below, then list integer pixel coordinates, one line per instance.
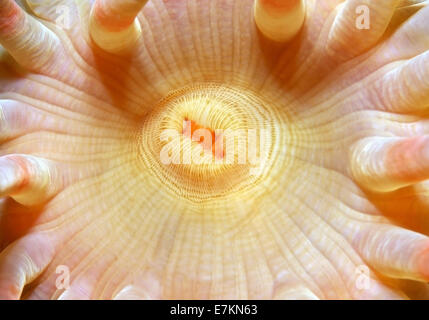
(335, 205)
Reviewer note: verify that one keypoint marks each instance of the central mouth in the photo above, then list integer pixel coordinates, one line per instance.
(212, 141)
(209, 140)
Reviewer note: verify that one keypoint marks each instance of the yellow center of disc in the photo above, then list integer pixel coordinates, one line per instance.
(208, 141)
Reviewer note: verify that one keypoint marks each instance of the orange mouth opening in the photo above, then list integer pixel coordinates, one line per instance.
(214, 145)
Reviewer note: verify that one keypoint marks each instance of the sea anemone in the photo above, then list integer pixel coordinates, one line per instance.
(107, 194)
